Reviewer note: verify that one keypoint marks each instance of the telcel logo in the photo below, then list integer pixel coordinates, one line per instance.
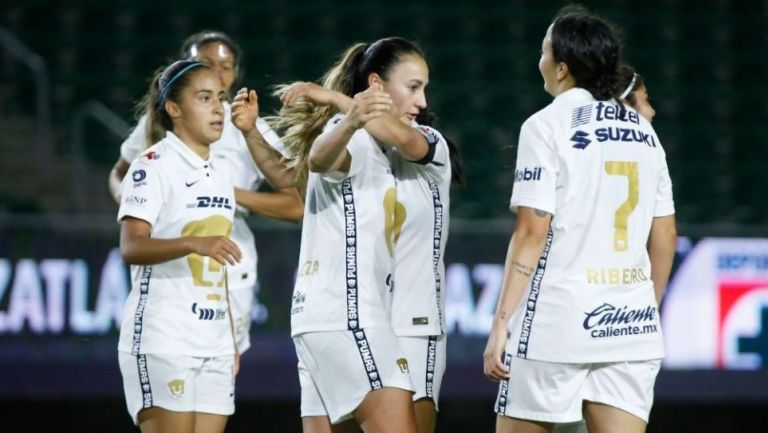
(527, 174)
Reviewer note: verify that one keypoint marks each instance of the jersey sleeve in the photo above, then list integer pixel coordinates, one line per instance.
(437, 162)
(143, 195)
(132, 147)
(357, 148)
(536, 169)
(270, 135)
(665, 204)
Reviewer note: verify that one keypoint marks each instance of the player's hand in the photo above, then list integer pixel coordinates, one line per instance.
(368, 105)
(219, 248)
(493, 363)
(309, 91)
(245, 109)
(237, 362)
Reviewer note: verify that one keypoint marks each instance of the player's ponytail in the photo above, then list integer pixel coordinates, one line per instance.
(303, 121)
(591, 49)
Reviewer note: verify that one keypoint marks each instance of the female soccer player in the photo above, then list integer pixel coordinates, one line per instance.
(421, 223)
(635, 92)
(591, 252)
(223, 55)
(350, 362)
(177, 348)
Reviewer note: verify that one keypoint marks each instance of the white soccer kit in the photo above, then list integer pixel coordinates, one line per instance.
(347, 240)
(178, 307)
(421, 221)
(604, 178)
(339, 318)
(233, 159)
(417, 309)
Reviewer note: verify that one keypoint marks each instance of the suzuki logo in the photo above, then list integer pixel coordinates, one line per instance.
(580, 139)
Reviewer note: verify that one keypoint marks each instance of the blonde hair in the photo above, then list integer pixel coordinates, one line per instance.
(302, 122)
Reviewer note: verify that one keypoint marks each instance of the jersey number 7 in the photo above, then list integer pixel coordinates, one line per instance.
(630, 170)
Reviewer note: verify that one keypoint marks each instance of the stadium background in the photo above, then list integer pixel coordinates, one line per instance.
(70, 72)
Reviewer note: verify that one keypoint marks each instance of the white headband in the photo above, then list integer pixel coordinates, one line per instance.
(630, 87)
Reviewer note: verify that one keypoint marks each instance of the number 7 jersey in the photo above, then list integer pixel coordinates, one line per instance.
(601, 172)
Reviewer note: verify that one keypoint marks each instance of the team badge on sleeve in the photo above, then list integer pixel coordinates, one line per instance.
(139, 178)
(430, 134)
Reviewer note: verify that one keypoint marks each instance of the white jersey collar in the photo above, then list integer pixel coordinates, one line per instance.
(185, 152)
(575, 94)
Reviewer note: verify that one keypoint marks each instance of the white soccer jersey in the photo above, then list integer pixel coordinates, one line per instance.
(347, 240)
(604, 178)
(422, 217)
(179, 306)
(233, 158)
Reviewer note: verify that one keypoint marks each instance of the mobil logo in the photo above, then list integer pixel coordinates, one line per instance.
(528, 174)
(743, 324)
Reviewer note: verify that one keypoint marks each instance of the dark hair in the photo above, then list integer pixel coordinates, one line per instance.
(193, 43)
(302, 122)
(379, 57)
(429, 118)
(591, 49)
(167, 84)
(628, 74)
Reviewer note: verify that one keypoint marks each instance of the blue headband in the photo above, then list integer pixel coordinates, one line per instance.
(164, 90)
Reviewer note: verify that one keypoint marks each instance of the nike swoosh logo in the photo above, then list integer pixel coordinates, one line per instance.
(188, 184)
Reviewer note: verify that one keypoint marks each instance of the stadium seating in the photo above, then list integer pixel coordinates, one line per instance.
(705, 68)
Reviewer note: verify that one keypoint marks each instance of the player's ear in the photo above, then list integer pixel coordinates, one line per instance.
(173, 109)
(375, 79)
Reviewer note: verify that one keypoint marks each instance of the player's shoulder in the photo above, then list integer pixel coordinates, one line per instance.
(432, 135)
(541, 123)
(153, 154)
(157, 159)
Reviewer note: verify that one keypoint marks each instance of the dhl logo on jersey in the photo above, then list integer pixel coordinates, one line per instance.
(210, 202)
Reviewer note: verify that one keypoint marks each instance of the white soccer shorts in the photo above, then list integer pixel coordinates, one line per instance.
(426, 362)
(178, 383)
(337, 369)
(554, 392)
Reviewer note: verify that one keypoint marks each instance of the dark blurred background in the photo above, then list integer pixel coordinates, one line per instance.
(71, 72)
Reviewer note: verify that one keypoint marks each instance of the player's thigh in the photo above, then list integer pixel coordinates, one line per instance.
(322, 424)
(210, 423)
(387, 410)
(426, 415)
(159, 420)
(602, 418)
(505, 424)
